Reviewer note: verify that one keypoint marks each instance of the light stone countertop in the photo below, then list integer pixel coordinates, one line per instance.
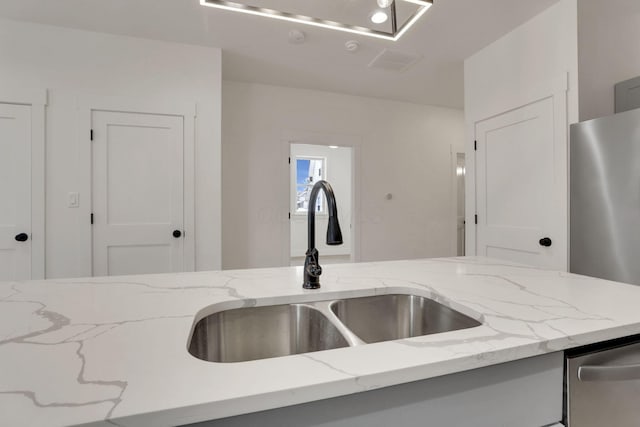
(113, 350)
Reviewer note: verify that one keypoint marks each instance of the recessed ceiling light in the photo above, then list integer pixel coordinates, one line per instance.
(333, 146)
(379, 17)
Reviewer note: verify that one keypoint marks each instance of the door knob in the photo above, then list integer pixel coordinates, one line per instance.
(177, 234)
(22, 237)
(545, 241)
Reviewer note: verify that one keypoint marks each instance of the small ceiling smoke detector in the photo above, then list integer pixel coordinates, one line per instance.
(352, 46)
(296, 37)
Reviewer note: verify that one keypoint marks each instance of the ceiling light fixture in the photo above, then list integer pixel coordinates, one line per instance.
(384, 3)
(398, 29)
(379, 17)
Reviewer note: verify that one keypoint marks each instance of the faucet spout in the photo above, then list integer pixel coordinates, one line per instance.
(312, 269)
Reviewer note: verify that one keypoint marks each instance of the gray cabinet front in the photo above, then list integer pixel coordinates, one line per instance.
(523, 393)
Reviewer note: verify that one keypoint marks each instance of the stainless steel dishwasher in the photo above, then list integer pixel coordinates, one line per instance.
(603, 385)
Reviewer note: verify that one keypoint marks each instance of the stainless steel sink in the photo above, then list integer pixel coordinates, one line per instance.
(392, 317)
(245, 334)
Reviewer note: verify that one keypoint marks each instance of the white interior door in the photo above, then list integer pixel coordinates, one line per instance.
(138, 193)
(519, 187)
(15, 192)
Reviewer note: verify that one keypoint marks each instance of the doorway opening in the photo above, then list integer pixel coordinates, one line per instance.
(309, 164)
(460, 207)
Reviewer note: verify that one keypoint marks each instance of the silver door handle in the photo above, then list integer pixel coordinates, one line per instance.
(609, 373)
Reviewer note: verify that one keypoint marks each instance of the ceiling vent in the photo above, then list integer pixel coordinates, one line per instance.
(393, 61)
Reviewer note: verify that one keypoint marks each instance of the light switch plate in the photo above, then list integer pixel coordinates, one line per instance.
(73, 200)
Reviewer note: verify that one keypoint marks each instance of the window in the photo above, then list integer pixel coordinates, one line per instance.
(309, 170)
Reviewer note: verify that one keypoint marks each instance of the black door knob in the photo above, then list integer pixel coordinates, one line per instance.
(545, 241)
(22, 237)
(177, 234)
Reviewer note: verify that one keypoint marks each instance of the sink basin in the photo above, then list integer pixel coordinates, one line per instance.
(392, 317)
(245, 334)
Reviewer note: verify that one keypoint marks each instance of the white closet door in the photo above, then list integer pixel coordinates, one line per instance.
(519, 188)
(15, 192)
(138, 193)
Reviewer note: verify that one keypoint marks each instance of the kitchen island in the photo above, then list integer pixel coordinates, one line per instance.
(113, 350)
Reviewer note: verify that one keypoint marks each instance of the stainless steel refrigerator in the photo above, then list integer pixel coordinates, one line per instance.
(603, 381)
(605, 197)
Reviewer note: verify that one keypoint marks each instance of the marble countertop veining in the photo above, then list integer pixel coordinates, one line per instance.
(113, 350)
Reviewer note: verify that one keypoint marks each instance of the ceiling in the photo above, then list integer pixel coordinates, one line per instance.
(256, 49)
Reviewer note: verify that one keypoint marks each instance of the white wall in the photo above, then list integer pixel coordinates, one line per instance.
(609, 51)
(535, 59)
(534, 55)
(404, 149)
(74, 64)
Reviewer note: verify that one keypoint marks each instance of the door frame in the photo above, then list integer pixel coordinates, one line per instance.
(37, 99)
(85, 108)
(454, 151)
(558, 92)
(325, 139)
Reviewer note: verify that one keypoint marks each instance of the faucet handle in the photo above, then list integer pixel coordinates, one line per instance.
(314, 270)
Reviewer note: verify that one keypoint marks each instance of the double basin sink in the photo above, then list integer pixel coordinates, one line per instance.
(244, 334)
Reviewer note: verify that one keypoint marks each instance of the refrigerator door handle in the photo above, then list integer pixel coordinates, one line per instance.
(608, 373)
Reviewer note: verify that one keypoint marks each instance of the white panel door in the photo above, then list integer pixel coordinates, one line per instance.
(15, 192)
(518, 187)
(138, 193)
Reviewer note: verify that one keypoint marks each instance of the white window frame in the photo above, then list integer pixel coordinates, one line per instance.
(294, 205)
